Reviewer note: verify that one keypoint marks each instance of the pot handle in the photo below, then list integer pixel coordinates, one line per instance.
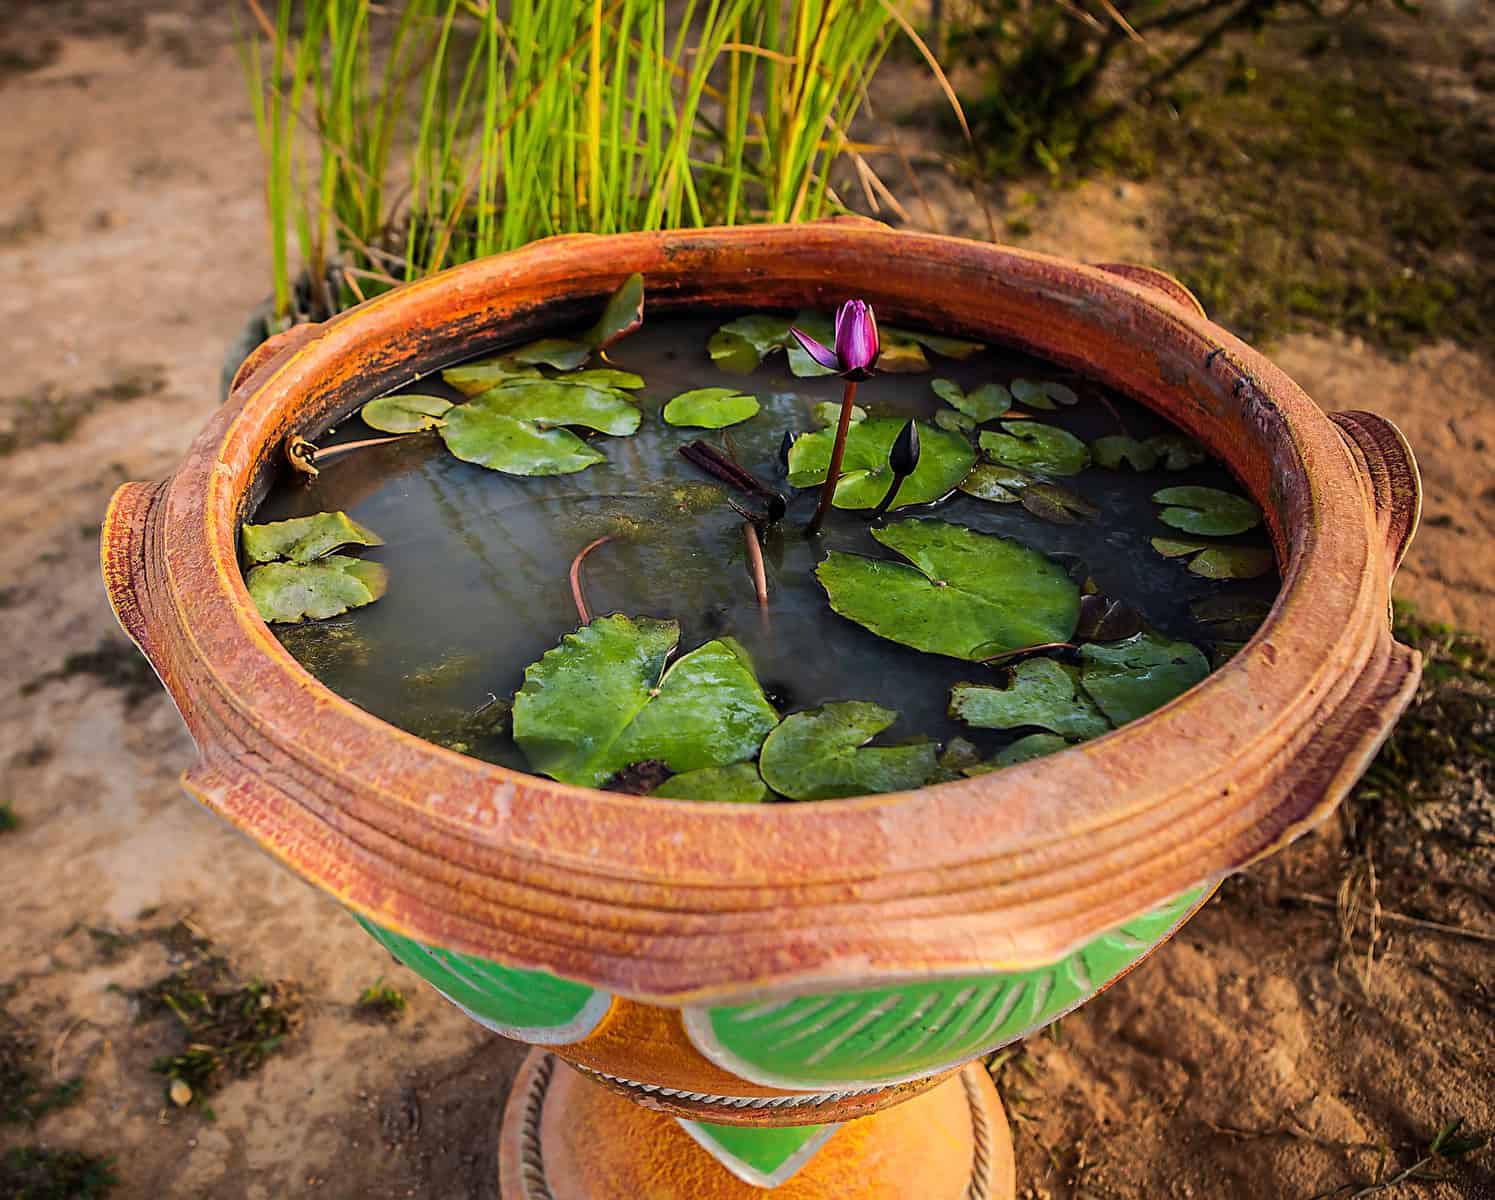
(122, 552)
(1390, 469)
(272, 348)
(1158, 281)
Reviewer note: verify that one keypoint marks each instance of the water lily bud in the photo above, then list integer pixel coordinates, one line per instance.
(904, 457)
(857, 346)
(784, 447)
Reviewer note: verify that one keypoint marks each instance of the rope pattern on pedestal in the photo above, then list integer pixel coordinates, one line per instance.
(531, 1155)
(980, 1185)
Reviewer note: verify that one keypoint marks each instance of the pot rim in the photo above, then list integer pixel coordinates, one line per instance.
(676, 902)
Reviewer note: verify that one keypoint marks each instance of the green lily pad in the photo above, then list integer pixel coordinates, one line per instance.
(603, 700)
(290, 592)
(955, 422)
(945, 347)
(473, 378)
(1206, 510)
(822, 754)
(969, 595)
(478, 434)
(603, 377)
(1059, 505)
(944, 460)
(1111, 452)
(739, 783)
(985, 403)
(1035, 745)
(1042, 395)
(1042, 692)
(710, 408)
(1000, 485)
(1131, 678)
(1214, 561)
(1176, 452)
(564, 354)
(549, 402)
(623, 314)
(304, 539)
(1034, 446)
(828, 412)
(404, 413)
(740, 345)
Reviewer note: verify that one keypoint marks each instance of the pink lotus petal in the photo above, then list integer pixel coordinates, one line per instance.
(823, 355)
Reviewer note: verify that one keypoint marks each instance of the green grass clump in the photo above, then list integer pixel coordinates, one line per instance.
(24, 1098)
(383, 1001)
(34, 1173)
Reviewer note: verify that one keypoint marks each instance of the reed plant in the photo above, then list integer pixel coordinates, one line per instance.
(401, 139)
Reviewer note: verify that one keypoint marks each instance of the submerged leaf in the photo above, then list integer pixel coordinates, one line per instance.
(1035, 745)
(740, 345)
(1033, 446)
(1214, 561)
(828, 412)
(550, 402)
(985, 403)
(822, 754)
(1131, 678)
(1229, 617)
(1111, 452)
(1042, 692)
(1000, 485)
(603, 700)
(624, 313)
(477, 434)
(1206, 510)
(739, 783)
(1043, 395)
(563, 354)
(289, 592)
(474, 377)
(1176, 452)
(1058, 504)
(945, 347)
(948, 418)
(710, 408)
(944, 460)
(900, 354)
(405, 413)
(969, 595)
(304, 539)
(1105, 620)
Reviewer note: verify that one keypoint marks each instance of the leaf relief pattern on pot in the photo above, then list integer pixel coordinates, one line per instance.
(528, 1006)
(894, 1034)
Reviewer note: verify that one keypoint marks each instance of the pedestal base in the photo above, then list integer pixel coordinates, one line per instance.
(567, 1138)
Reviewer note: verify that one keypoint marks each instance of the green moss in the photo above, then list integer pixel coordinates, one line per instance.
(34, 1173)
(382, 1001)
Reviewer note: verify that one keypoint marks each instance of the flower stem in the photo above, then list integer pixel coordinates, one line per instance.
(838, 451)
(755, 563)
(577, 594)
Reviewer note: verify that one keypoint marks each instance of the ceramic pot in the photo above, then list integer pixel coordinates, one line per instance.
(753, 978)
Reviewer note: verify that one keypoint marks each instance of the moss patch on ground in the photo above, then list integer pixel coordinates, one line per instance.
(25, 1097)
(35, 1173)
(113, 663)
(52, 414)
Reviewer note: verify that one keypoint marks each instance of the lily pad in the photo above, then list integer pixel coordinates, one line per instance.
(985, 403)
(968, 595)
(1000, 485)
(900, 353)
(1034, 446)
(290, 592)
(478, 434)
(1111, 452)
(304, 539)
(1035, 745)
(550, 402)
(1042, 693)
(1105, 620)
(944, 460)
(822, 754)
(710, 408)
(945, 347)
(603, 377)
(955, 422)
(1214, 561)
(1176, 452)
(623, 314)
(740, 345)
(564, 354)
(1050, 502)
(405, 413)
(603, 700)
(1129, 679)
(1206, 510)
(828, 412)
(473, 378)
(1042, 395)
(739, 783)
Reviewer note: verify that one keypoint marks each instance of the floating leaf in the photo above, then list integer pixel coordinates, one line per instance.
(1214, 561)
(603, 377)
(477, 434)
(623, 314)
(1000, 485)
(549, 403)
(1051, 502)
(1043, 395)
(1035, 745)
(1206, 510)
(710, 408)
(1034, 446)
(738, 784)
(405, 413)
(1042, 692)
(1106, 620)
(944, 460)
(828, 412)
(474, 377)
(1131, 678)
(985, 403)
(603, 700)
(945, 347)
(304, 539)
(563, 354)
(969, 595)
(289, 592)
(1176, 452)
(955, 422)
(1229, 617)
(740, 345)
(822, 754)
(1111, 452)
(900, 353)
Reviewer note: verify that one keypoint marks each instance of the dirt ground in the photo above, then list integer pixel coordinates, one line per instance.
(1274, 1049)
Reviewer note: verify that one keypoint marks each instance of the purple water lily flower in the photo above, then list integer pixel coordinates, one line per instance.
(857, 347)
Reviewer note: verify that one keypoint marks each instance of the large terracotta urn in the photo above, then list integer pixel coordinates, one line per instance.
(735, 1001)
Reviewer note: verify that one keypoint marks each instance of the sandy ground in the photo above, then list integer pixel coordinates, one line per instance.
(1248, 1059)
